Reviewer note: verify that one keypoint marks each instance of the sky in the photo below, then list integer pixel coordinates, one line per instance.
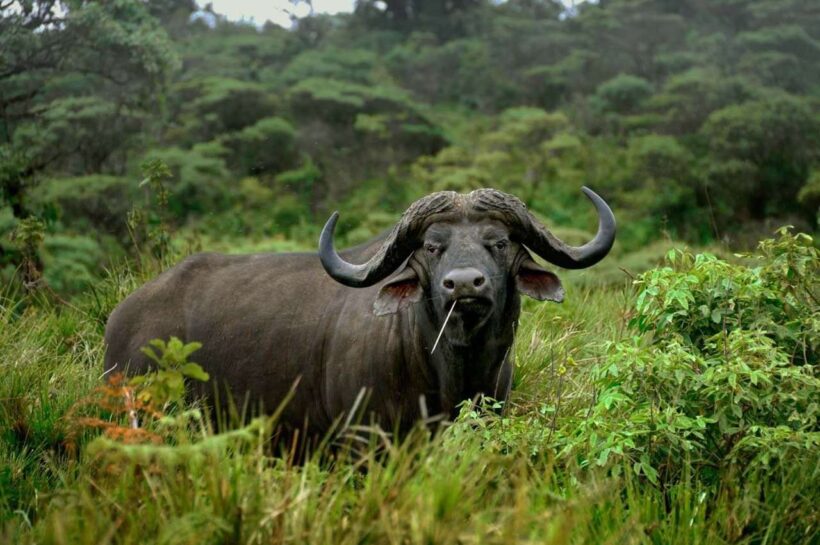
(280, 11)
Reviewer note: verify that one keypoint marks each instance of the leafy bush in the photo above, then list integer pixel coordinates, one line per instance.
(198, 178)
(268, 146)
(777, 139)
(354, 65)
(622, 94)
(71, 262)
(82, 132)
(288, 211)
(458, 71)
(719, 374)
(300, 181)
(211, 106)
(97, 201)
(338, 101)
(166, 384)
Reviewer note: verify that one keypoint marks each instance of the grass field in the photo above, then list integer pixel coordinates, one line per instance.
(565, 463)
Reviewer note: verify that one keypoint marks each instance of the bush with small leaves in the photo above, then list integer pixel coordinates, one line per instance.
(166, 384)
(720, 372)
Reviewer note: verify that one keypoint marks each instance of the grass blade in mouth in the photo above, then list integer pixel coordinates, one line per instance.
(447, 319)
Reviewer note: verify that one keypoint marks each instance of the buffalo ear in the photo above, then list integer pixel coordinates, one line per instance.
(536, 282)
(399, 292)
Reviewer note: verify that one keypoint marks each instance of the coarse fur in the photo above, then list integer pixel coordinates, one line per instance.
(268, 322)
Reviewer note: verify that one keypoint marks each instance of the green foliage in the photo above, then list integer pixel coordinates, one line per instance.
(166, 384)
(71, 263)
(339, 101)
(780, 56)
(150, 224)
(623, 94)
(662, 183)
(268, 146)
(238, 52)
(718, 377)
(98, 202)
(61, 106)
(809, 195)
(584, 383)
(212, 106)
(459, 71)
(775, 140)
(687, 98)
(300, 181)
(684, 412)
(352, 65)
(197, 179)
(46, 357)
(28, 234)
(539, 97)
(81, 132)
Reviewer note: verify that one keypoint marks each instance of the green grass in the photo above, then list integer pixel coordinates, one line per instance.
(486, 479)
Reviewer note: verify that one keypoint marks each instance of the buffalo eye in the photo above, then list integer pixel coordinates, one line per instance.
(500, 245)
(433, 249)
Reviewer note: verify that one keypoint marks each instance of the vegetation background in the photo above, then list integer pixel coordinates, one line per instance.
(682, 409)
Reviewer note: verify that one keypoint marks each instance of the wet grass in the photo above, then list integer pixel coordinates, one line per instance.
(473, 482)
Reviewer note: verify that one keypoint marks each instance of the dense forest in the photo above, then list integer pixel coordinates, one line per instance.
(698, 120)
(671, 399)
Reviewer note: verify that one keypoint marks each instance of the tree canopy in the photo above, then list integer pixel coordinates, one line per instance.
(696, 119)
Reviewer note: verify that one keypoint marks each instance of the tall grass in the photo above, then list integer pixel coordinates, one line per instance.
(487, 478)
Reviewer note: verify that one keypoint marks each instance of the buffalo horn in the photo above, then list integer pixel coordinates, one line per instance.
(400, 243)
(538, 238)
(405, 236)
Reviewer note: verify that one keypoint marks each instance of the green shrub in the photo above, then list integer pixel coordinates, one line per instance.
(701, 296)
(71, 262)
(300, 181)
(623, 94)
(268, 146)
(165, 385)
(211, 106)
(199, 178)
(809, 196)
(99, 202)
(776, 138)
(718, 374)
(288, 211)
(354, 65)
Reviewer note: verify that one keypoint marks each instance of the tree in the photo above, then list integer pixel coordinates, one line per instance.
(623, 94)
(266, 147)
(105, 56)
(206, 108)
(447, 19)
(773, 143)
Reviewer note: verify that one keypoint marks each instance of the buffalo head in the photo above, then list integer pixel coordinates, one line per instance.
(470, 251)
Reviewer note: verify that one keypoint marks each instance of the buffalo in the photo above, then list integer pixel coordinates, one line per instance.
(368, 319)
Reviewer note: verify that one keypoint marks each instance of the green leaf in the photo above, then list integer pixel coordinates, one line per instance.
(195, 371)
(650, 472)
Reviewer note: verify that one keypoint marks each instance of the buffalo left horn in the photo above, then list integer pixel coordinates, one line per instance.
(530, 232)
(400, 243)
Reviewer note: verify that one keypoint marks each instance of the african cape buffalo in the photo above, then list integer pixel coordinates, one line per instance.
(365, 319)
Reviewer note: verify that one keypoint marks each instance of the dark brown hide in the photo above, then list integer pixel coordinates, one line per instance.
(268, 321)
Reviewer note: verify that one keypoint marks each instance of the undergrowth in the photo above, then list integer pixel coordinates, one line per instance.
(681, 410)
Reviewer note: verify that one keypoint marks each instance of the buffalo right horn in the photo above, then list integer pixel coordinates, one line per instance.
(549, 247)
(400, 243)
(530, 232)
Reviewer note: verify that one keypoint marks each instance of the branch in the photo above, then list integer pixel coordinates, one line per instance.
(18, 98)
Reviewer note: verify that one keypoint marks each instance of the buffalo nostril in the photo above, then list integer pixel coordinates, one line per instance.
(478, 281)
(449, 284)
